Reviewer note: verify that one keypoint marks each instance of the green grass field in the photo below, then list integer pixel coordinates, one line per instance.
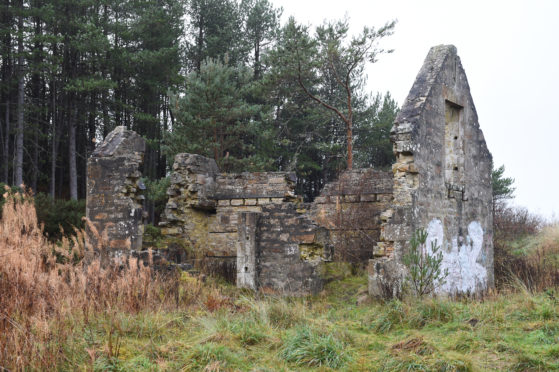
(58, 316)
(233, 330)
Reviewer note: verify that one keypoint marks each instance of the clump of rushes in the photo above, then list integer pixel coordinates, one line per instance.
(307, 347)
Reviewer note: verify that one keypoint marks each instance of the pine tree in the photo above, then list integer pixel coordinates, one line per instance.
(214, 29)
(332, 55)
(214, 119)
(372, 133)
(311, 139)
(502, 186)
(261, 25)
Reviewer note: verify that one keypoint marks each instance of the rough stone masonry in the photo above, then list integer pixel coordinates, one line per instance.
(254, 222)
(114, 200)
(442, 182)
(204, 205)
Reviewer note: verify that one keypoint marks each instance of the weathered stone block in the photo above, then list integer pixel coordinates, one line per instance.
(251, 201)
(351, 198)
(384, 197)
(247, 250)
(368, 197)
(386, 276)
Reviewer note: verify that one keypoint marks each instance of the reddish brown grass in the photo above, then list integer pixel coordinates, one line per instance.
(42, 284)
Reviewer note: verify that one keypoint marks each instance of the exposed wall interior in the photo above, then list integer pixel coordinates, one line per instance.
(256, 221)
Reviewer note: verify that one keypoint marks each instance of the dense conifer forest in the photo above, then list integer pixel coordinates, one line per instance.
(224, 78)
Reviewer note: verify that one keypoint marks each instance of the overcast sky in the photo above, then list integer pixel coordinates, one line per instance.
(510, 51)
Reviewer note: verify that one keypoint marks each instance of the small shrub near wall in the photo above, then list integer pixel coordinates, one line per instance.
(59, 217)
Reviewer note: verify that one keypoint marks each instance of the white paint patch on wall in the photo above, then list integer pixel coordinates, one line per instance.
(465, 274)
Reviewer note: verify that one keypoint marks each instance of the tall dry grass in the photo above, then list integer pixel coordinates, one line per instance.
(42, 284)
(526, 250)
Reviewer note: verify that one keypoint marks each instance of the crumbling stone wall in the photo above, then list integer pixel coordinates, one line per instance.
(114, 199)
(191, 204)
(244, 192)
(281, 249)
(203, 204)
(442, 182)
(287, 240)
(350, 208)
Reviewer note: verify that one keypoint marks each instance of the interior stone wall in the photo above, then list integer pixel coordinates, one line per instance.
(204, 205)
(350, 208)
(216, 212)
(442, 182)
(289, 250)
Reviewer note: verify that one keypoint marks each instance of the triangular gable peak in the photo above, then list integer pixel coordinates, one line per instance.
(442, 177)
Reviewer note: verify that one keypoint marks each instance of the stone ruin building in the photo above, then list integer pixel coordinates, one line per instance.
(254, 222)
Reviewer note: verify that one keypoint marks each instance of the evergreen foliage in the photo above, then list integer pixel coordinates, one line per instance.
(502, 186)
(220, 78)
(59, 217)
(311, 138)
(372, 133)
(214, 118)
(424, 265)
(328, 67)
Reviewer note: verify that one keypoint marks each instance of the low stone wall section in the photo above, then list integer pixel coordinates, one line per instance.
(350, 208)
(204, 204)
(287, 251)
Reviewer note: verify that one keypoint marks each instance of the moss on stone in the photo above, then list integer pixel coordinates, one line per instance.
(336, 270)
(311, 251)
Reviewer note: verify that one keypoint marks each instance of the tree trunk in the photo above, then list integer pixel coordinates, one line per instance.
(6, 150)
(20, 102)
(72, 155)
(35, 175)
(349, 144)
(36, 95)
(200, 43)
(54, 148)
(7, 86)
(216, 158)
(257, 60)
